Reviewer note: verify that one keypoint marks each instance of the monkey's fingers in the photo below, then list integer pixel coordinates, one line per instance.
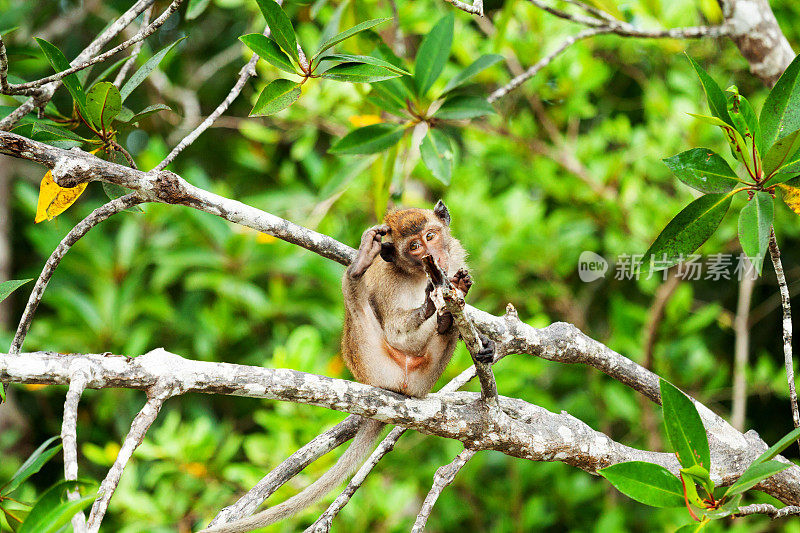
(486, 355)
(462, 280)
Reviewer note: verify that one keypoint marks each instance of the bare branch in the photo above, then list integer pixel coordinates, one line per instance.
(69, 429)
(518, 429)
(144, 419)
(767, 509)
(4, 87)
(476, 8)
(81, 228)
(775, 255)
(128, 65)
(293, 465)
(443, 477)
(144, 33)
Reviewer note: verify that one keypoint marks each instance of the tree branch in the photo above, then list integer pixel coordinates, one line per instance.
(69, 429)
(444, 476)
(126, 67)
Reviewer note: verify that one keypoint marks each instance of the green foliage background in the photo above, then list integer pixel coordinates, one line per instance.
(523, 206)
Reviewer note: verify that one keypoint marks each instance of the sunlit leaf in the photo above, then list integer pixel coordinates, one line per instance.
(755, 222)
(280, 27)
(699, 474)
(268, 50)
(53, 199)
(276, 96)
(433, 53)
(648, 483)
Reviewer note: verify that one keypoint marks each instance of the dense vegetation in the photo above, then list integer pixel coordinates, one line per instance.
(570, 162)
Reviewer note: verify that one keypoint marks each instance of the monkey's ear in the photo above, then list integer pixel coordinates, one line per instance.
(440, 210)
(387, 251)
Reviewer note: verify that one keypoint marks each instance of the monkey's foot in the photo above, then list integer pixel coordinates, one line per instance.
(462, 280)
(486, 355)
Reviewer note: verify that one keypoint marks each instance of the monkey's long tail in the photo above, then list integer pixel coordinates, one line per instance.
(355, 454)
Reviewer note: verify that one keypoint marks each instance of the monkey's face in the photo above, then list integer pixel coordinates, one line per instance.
(415, 233)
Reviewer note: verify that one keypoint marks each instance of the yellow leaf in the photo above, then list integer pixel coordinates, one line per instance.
(265, 238)
(791, 195)
(359, 121)
(54, 200)
(34, 386)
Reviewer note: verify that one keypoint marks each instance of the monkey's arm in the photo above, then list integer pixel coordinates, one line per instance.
(368, 250)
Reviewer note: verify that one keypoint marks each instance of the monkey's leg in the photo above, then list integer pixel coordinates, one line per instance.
(368, 250)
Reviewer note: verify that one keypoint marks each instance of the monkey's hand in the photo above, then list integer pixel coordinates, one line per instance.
(368, 250)
(462, 280)
(486, 355)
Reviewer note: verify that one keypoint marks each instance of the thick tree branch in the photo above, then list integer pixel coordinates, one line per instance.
(518, 429)
(69, 430)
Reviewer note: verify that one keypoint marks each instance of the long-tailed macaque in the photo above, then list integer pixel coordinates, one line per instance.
(391, 337)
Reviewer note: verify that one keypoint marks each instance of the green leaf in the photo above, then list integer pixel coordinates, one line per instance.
(734, 138)
(346, 34)
(103, 103)
(149, 66)
(784, 154)
(688, 230)
(365, 59)
(755, 222)
(196, 8)
(358, 73)
(280, 27)
(646, 483)
(699, 475)
(704, 170)
(714, 95)
(745, 120)
(755, 474)
(478, 66)
(369, 139)
(144, 113)
(780, 114)
(690, 487)
(437, 154)
(51, 513)
(276, 96)
(268, 50)
(464, 107)
(32, 464)
(726, 509)
(694, 527)
(7, 287)
(684, 427)
(433, 53)
(55, 130)
(778, 447)
(111, 68)
(71, 82)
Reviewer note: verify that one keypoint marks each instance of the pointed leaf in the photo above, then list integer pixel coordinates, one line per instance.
(144, 113)
(647, 483)
(755, 222)
(7, 287)
(365, 59)
(51, 512)
(744, 119)
(734, 138)
(781, 112)
(276, 96)
(478, 66)
(103, 103)
(784, 155)
(690, 487)
(779, 446)
(336, 39)
(704, 170)
(280, 27)
(433, 53)
(754, 475)
(714, 95)
(57, 131)
(684, 427)
(369, 139)
(437, 154)
(359, 73)
(699, 474)
(32, 464)
(108, 70)
(149, 66)
(268, 50)
(71, 82)
(53, 199)
(461, 107)
(688, 230)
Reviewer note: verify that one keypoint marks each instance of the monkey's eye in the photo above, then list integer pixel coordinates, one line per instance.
(414, 246)
(430, 235)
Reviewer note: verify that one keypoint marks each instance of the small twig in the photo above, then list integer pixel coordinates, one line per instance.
(599, 13)
(4, 87)
(476, 8)
(767, 509)
(452, 301)
(144, 33)
(128, 65)
(128, 157)
(444, 476)
(69, 428)
(775, 254)
(141, 423)
(293, 465)
(81, 228)
(323, 523)
(741, 328)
